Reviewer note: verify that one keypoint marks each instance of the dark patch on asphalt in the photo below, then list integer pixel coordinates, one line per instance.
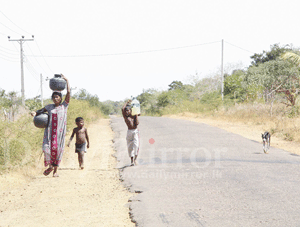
(195, 217)
(163, 218)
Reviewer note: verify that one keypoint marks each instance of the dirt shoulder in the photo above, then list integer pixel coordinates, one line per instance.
(250, 131)
(90, 197)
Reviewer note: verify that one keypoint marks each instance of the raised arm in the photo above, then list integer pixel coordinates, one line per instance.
(124, 106)
(136, 120)
(68, 95)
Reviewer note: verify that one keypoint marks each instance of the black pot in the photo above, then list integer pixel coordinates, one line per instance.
(57, 83)
(41, 120)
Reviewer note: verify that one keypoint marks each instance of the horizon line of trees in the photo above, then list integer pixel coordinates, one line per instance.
(272, 76)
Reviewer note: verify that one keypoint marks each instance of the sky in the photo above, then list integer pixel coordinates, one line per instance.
(116, 49)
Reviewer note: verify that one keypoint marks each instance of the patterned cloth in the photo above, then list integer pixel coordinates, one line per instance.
(133, 142)
(54, 135)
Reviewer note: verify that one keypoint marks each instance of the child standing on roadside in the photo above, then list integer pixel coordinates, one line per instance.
(82, 140)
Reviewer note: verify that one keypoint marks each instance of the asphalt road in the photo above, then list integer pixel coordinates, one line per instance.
(192, 174)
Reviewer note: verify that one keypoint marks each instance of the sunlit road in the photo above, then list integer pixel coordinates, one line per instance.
(192, 174)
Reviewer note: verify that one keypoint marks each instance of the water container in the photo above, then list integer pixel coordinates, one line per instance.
(41, 120)
(135, 107)
(57, 83)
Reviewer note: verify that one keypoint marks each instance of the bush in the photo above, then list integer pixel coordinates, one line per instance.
(82, 108)
(20, 142)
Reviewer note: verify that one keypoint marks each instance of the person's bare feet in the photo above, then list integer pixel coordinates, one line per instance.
(135, 163)
(55, 174)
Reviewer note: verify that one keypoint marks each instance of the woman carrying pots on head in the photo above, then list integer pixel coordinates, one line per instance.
(55, 132)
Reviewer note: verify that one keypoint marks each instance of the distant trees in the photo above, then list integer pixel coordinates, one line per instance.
(275, 53)
(107, 107)
(233, 84)
(273, 75)
(149, 101)
(9, 104)
(271, 72)
(175, 85)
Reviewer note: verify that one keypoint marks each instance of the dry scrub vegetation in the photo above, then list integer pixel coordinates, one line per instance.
(279, 124)
(250, 120)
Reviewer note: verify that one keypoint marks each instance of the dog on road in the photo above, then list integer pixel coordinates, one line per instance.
(266, 137)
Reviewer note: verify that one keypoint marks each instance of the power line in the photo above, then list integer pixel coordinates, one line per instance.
(6, 52)
(239, 47)
(2, 34)
(18, 33)
(125, 53)
(31, 68)
(34, 57)
(14, 23)
(16, 51)
(8, 59)
(15, 47)
(10, 29)
(43, 57)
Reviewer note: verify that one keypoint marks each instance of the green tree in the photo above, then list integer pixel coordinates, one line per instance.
(294, 58)
(291, 91)
(82, 94)
(146, 97)
(93, 101)
(275, 53)
(163, 99)
(233, 84)
(175, 85)
(149, 102)
(273, 76)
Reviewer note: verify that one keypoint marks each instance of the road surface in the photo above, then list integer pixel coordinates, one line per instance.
(192, 174)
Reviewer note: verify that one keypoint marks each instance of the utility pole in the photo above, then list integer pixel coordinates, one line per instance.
(222, 74)
(42, 90)
(21, 41)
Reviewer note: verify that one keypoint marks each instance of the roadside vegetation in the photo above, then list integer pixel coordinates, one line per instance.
(264, 93)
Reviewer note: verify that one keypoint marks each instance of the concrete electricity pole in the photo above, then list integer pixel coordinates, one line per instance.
(21, 41)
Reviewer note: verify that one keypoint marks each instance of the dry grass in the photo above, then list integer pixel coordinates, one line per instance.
(279, 124)
(250, 120)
